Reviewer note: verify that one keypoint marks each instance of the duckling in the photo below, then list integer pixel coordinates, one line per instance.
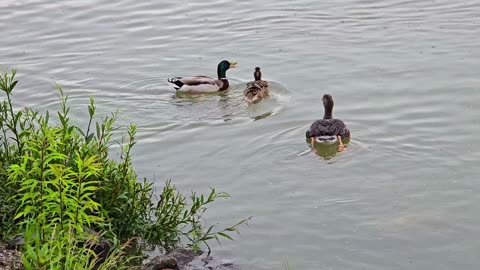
(328, 126)
(203, 84)
(256, 90)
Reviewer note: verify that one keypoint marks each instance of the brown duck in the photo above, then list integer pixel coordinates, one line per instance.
(256, 90)
(328, 126)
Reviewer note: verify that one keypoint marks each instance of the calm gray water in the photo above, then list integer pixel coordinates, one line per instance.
(404, 76)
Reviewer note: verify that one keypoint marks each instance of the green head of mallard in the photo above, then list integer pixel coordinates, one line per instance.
(223, 67)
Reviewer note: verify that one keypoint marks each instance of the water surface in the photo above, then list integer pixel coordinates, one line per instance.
(404, 76)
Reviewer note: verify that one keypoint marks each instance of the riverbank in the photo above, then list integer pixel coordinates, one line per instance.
(179, 259)
(9, 259)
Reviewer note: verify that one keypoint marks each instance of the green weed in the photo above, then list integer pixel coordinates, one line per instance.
(58, 184)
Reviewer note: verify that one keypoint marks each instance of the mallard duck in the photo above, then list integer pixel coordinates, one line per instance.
(203, 84)
(256, 90)
(328, 127)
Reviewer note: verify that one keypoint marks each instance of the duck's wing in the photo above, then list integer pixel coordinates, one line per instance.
(328, 127)
(196, 80)
(251, 94)
(195, 84)
(342, 129)
(260, 84)
(319, 128)
(255, 90)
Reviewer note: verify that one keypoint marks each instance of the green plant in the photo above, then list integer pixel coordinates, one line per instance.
(58, 183)
(174, 218)
(126, 201)
(11, 145)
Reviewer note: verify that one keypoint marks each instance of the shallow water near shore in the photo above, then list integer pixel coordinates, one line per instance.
(404, 77)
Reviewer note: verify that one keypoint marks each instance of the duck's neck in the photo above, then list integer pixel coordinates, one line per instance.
(222, 73)
(257, 75)
(225, 84)
(328, 112)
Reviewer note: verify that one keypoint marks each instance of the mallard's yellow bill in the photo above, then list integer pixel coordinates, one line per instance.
(233, 64)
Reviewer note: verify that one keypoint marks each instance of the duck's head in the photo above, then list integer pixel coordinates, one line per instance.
(223, 67)
(257, 74)
(328, 105)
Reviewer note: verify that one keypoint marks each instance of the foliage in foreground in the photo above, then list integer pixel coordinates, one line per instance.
(58, 185)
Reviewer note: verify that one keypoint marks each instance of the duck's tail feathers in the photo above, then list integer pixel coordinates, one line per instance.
(251, 99)
(327, 139)
(175, 82)
(251, 94)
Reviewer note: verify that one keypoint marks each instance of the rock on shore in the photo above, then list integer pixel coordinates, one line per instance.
(9, 259)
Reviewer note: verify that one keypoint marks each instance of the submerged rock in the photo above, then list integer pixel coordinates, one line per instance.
(187, 259)
(209, 263)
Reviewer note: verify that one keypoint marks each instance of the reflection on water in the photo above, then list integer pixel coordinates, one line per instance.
(327, 150)
(228, 105)
(414, 220)
(262, 116)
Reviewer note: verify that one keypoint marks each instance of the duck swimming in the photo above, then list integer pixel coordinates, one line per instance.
(256, 90)
(203, 84)
(328, 126)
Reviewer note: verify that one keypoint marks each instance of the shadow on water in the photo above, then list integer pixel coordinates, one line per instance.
(327, 150)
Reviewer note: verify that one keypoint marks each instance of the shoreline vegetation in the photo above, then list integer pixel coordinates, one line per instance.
(74, 206)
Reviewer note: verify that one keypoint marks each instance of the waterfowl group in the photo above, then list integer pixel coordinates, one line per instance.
(326, 130)
(255, 91)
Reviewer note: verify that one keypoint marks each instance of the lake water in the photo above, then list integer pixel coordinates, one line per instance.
(404, 76)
